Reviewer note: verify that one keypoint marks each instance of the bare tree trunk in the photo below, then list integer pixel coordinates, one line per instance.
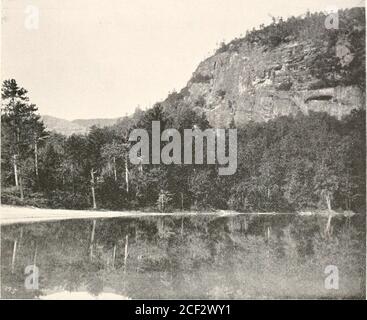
(328, 202)
(114, 168)
(17, 177)
(182, 226)
(92, 239)
(92, 188)
(162, 202)
(348, 222)
(182, 200)
(35, 264)
(15, 170)
(20, 237)
(36, 157)
(160, 226)
(126, 252)
(35, 256)
(21, 188)
(127, 176)
(245, 224)
(140, 164)
(113, 256)
(328, 224)
(14, 256)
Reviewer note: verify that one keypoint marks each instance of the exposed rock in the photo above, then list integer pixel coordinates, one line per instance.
(257, 83)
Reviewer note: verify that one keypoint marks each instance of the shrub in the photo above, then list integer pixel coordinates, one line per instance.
(200, 78)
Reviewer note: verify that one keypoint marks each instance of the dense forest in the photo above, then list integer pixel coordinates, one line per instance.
(292, 163)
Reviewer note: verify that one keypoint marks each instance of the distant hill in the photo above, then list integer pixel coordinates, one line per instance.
(95, 122)
(78, 126)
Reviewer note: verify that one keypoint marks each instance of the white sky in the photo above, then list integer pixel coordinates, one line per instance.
(102, 58)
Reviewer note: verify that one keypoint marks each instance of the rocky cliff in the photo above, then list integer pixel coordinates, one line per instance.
(291, 66)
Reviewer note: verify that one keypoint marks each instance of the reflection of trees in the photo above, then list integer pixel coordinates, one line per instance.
(94, 284)
(210, 253)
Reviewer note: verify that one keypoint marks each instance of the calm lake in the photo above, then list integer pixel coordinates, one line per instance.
(240, 257)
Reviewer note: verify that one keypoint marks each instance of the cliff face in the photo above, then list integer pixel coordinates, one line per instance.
(248, 80)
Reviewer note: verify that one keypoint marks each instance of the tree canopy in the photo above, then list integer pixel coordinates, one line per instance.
(290, 163)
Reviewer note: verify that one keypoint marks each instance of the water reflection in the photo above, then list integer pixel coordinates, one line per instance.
(184, 257)
(83, 295)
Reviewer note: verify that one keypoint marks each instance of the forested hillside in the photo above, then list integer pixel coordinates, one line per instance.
(290, 163)
(295, 91)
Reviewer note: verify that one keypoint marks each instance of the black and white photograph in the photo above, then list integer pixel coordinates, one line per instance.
(183, 150)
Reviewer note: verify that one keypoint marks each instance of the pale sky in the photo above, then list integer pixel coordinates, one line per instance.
(102, 58)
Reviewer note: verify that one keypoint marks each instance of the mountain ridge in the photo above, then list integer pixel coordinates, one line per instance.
(77, 126)
(291, 66)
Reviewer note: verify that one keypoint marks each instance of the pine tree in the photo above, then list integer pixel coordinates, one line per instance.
(22, 129)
